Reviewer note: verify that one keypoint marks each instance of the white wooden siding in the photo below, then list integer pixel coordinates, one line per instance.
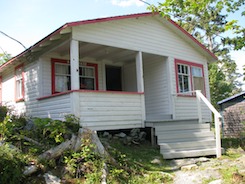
(156, 88)
(144, 34)
(55, 107)
(186, 108)
(104, 111)
(31, 88)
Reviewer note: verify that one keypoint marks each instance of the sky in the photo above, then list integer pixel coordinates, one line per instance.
(28, 21)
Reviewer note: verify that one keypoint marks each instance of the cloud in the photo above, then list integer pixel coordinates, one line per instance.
(125, 3)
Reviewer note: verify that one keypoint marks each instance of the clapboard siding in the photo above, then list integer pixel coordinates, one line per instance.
(148, 35)
(186, 108)
(156, 92)
(103, 111)
(31, 88)
(55, 107)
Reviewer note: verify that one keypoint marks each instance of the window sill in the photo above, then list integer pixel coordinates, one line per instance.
(20, 100)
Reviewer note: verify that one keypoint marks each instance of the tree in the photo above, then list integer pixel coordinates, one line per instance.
(206, 21)
(4, 57)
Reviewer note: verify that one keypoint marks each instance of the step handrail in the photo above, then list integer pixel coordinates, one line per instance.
(217, 119)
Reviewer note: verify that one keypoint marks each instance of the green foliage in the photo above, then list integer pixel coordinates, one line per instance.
(4, 57)
(84, 164)
(53, 132)
(12, 163)
(3, 112)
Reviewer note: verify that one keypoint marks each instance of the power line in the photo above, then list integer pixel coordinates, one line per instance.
(145, 2)
(13, 39)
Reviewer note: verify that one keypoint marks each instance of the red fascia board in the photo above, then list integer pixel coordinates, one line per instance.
(106, 19)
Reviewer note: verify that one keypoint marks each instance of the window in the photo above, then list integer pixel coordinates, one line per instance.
(189, 77)
(19, 83)
(62, 76)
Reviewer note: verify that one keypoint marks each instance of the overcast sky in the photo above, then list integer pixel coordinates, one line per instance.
(31, 20)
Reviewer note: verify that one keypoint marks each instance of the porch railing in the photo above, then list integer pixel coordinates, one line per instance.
(217, 117)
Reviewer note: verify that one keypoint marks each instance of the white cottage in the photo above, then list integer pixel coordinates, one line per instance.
(123, 72)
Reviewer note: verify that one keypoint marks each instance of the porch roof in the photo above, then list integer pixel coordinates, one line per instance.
(61, 34)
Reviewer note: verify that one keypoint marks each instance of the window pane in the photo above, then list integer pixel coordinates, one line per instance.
(186, 83)
(62, 83)
(180, 84)
(87, 83)
(197, 72)
(198, 83)
(62, 69)
(179, 68)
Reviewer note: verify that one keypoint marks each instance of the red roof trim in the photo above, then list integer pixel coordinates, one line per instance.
(106, 19)
(71, 24)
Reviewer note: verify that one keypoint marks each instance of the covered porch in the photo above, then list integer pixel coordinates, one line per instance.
(121, 89)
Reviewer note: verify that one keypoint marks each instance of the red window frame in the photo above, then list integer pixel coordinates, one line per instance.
(17, 99)
(53, 61)
(190, 65)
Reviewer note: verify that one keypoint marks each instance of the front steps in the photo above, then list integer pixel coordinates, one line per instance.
(185, 138)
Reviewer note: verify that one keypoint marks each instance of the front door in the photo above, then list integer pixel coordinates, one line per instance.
(113, 78)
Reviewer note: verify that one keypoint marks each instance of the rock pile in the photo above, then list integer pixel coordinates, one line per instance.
(134, 137)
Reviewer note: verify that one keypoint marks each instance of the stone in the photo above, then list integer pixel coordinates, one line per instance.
(156, 161)
(189, 167)
(51, 179)
(134, 132)
(121, 135)
(142, 136)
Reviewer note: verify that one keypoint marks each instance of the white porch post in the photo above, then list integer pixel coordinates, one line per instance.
(139, 72)
(74, 62)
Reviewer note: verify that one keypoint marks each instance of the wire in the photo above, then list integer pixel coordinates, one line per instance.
(145, 2)
(13, 39)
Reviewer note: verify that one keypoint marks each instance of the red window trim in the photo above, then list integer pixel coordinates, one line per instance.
(23, 83)
(190, 64)
(54, 60)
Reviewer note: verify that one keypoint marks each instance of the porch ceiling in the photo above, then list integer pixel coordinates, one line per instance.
(98, 52)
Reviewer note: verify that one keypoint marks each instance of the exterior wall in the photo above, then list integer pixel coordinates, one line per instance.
(145, 34)
(55, 107)
(156, 88)
(233, 119)
(111, 110)
(186, 108)
(31, 88)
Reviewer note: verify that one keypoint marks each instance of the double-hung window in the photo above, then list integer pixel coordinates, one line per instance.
(189, 77)
(62, 76)
(19, 83)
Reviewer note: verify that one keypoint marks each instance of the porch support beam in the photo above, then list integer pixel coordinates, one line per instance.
(74, 62)
(139, 72)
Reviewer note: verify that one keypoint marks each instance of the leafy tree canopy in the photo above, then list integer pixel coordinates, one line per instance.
(4, 57)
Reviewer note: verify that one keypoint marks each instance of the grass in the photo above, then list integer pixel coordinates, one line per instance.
(140, 159)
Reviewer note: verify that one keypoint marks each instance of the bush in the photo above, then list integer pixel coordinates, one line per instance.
(12, 164)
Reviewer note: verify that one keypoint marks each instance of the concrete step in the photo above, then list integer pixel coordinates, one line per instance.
(188, 153)
(183, 135)
(181, 127)
(168, 147)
